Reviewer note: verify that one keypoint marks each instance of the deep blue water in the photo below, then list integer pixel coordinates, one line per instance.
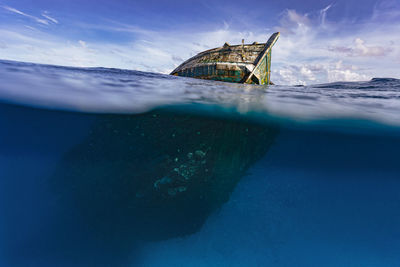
(108, 167)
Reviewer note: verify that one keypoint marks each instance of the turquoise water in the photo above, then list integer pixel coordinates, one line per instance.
(111, 167)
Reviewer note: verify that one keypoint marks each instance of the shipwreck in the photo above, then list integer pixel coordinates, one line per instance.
(245, 63)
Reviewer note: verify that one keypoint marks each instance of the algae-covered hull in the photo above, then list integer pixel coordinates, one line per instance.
(246, 63)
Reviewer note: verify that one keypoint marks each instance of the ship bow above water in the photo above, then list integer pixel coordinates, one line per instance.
(245, 63)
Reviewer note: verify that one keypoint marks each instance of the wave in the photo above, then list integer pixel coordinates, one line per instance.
(105, 90)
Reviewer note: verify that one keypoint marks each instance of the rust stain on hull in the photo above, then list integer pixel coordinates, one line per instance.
(245, 63)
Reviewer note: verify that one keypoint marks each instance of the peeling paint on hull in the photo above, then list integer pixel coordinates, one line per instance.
(246, 63)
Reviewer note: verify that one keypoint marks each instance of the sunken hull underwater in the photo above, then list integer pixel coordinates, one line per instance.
(245, 63)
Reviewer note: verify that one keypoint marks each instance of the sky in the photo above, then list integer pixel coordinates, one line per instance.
(321, 41)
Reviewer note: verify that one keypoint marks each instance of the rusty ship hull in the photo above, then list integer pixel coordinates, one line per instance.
(245, 63)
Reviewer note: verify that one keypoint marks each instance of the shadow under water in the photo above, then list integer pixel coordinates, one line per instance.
(158, 175)
(145, 177)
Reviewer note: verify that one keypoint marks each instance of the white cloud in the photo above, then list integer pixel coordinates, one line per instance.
(293, 23)
(82, 43)
(46, 15)
(386, 10)
(39, 47)
(360, 49)
(310, 50)
(30, 27)
(341, 72)
(310, 73)
(323, 14)
(16, 11)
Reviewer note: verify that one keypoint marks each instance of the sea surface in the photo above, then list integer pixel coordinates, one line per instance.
(111, 167)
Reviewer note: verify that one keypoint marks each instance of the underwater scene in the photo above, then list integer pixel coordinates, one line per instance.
(111, 167)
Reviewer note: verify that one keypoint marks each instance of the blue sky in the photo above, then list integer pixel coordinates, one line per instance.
(321, 41)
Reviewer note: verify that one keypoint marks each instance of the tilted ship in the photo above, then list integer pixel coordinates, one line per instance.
(245, 63)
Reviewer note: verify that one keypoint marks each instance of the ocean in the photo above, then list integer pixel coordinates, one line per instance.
(111, 167)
